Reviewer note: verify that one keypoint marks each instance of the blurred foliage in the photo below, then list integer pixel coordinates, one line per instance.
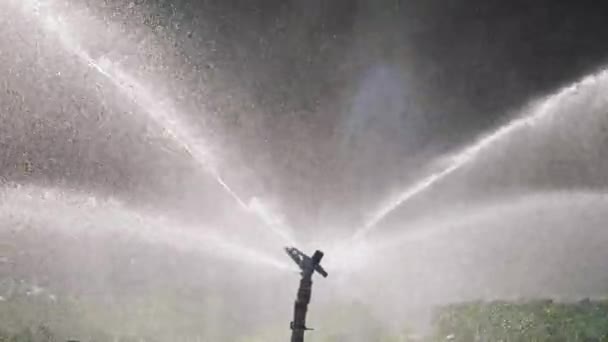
(529, 321)
(163, 318)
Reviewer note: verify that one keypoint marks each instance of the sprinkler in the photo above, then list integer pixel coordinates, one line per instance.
(308, 265)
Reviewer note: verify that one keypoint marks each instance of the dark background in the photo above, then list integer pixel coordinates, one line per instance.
(353, 99)
(358, 95)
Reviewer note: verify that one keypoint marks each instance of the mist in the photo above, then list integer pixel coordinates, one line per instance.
(157, 156)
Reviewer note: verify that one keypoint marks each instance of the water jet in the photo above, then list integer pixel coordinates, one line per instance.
(539, 112)
(162, 112)
(77, 213)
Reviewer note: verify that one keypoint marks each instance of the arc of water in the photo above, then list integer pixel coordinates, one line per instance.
(470, 153)
(476, 220)
(161, 113)
(82, 213)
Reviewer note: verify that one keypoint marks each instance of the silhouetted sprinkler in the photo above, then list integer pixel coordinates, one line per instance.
(308, 266)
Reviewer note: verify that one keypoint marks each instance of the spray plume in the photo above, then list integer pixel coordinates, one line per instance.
(161, 112)
(470, 153)
(80, 213)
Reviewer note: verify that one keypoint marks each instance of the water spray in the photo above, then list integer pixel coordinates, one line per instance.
(162, 113)
(308, 266)
(72, 212)
(470, 154)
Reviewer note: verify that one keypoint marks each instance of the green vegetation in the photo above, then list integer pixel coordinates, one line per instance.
(474, 321)
(163, 317)
(529, 321)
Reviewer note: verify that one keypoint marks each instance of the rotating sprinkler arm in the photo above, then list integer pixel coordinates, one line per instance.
(306, 263)
(321, 271)
(295, 255)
